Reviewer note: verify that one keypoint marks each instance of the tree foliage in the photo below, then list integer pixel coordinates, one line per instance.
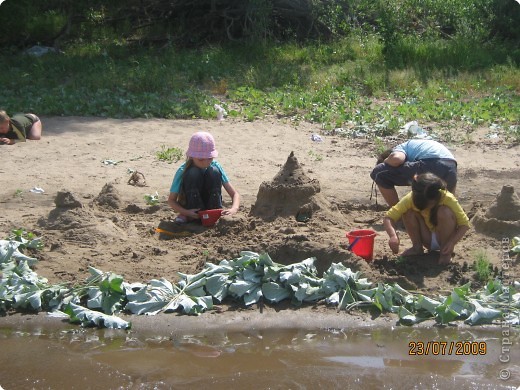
(199, 22)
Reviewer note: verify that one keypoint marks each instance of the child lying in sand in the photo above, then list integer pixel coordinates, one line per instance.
(432, 218)
(20, 127)
(198, 182)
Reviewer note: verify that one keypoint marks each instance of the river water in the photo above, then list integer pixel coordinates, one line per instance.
(380, 358)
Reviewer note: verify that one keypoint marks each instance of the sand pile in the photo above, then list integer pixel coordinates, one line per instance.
(109, 197)
(502, 219)
(68, 214)
(66, 200)
(80, 222)
(292, 193)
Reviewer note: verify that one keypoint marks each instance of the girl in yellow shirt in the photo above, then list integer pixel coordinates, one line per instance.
(432, 217)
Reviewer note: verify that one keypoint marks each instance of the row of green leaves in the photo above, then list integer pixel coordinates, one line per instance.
(332, 107)
(249, 278)
(338, 106)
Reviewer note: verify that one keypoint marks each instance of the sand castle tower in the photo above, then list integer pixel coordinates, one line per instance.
(502, 219)
(292, 193)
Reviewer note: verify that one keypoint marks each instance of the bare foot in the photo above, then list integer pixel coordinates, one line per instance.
(412, 252)
(444, 259)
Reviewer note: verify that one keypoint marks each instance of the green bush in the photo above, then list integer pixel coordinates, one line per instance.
(180, 23)
(169, 155)
(482, 266)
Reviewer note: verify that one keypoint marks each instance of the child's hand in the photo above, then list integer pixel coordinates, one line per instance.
(393, 243)
(448, 248)
(5, 141)
(192, 213)
(230, 211)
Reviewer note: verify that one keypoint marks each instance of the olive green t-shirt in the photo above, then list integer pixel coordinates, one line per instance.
(20, 126)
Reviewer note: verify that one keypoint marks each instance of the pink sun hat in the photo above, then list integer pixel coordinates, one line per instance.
(202, 145)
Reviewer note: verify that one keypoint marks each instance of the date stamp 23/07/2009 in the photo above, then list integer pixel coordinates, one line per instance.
(444, 348)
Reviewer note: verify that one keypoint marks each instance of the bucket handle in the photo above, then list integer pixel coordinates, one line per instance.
(349, 248)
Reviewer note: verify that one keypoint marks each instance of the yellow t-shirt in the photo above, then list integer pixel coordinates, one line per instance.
(406, 203)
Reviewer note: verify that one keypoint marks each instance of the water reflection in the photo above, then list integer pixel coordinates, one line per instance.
(332, 358)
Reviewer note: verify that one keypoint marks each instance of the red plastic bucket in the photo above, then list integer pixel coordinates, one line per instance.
(362, 243)
(209, 217)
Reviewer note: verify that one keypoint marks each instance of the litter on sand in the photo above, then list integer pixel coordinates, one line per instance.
(111, 162)
(221, 112)
(37, 190)
(413, 130)
(316, 138)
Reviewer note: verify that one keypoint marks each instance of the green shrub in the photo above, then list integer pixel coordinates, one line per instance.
(482, 266)
(170, 155)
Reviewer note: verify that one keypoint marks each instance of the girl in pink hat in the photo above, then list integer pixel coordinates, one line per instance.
(197, 184)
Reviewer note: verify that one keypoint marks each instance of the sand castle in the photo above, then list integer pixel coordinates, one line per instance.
(292, 193)
(502, 219)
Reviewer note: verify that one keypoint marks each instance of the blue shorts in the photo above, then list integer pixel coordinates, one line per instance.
(387, 176)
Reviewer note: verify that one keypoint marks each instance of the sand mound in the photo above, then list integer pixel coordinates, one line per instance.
(68, 214)
(292, 193)
(66, 199)
(507, 205)
(502, 219)
(109, 197)
(64, 219)
(79, 222)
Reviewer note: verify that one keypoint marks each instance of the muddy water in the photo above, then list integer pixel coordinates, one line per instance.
(281, 359)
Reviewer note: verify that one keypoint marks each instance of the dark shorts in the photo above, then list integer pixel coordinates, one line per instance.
(387, 177)
(34, 117)
(202, 188)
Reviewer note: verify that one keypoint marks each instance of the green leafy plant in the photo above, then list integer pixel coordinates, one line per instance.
(516, 244)
(482, 266)
(315, 156)
(26, 239)
(18, 193)
(105, 291)
(248, 278)
(380, 146)
(206, 253)
(86, 317)
(152, 199)
(513, 133)
(164, 296)
(170, 155)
